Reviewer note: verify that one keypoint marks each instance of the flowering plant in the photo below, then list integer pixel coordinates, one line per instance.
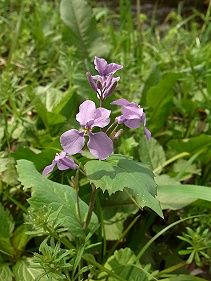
(100, 144)
(71, 215)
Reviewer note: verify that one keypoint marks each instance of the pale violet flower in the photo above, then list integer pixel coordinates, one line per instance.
(133, 115)
(99, 144)
(104, 83)
(62, 161)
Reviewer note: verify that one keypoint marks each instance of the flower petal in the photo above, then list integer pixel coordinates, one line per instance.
(101, 117)
(72, 141)
(133, 123)
(121, 102)
(132, 111)
(86, 112)
(66, 163)
(100, 145)
(48, 169)
(104, 68)
(147, 133)
(112, 68)
(100, 65)
(91, 81)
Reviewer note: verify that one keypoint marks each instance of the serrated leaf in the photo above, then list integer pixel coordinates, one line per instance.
(6, 273)
(77, 15)
(55, 196)
(6, 230)
(118, 172)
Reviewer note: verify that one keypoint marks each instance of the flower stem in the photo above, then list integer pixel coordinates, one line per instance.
(77, 191)
(91, 207)
(109, 128)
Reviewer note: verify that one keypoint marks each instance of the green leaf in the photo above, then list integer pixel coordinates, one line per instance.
(184, 277)
(5, 273)
(20, 237)
(152, 80)
(25, 270)
(160, 100)
(54, 99)
(6, 230)
(118, 173)
(40, 159)
(48, 118)
(152, 153)
(124, 264)
(193, 145)
(77, 15)
(55, 196)
(7, 171)
(178, 196)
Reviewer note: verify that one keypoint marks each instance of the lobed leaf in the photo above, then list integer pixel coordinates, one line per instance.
(119, 173)
(55, 196)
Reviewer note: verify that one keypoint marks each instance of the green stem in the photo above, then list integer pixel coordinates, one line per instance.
(102, 229)
(109, 128)
(172, 268)
(148, 244)
(91, 207)
(169, 161)
(77, 195)
(124, 233)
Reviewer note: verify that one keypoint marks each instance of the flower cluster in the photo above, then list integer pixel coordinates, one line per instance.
(100, 144)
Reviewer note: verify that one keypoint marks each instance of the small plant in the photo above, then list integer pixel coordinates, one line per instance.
(199, 242)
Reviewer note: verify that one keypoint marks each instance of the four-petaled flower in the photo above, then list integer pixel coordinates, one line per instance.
(132, 115)
(99, 144)
(104, 83)
(62, 161)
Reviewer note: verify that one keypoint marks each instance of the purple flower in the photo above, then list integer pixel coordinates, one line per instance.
(132, 115)
(104, 83)
(62, 161)
(104, 68)
(99, 144)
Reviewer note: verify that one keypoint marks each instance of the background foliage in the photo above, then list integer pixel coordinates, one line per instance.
(46, 47)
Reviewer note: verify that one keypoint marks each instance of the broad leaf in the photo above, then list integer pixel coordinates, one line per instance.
(151, 152)
(25, 270)
(55, 196)
(152, 80)
(118, 173)
(20, 237)
(48, 118)
(7, 171)
(160, 100)
(124, 264)
(77, 15)
(5, 273)
(6, 230)
(54, 99)
(178, 196)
